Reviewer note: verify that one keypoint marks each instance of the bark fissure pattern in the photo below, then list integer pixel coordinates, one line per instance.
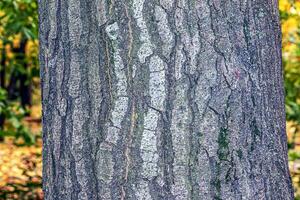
(162, 99)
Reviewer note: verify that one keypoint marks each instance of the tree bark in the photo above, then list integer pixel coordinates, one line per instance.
(163, 100)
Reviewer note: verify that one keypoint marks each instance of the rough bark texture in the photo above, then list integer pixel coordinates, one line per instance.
(163, 99)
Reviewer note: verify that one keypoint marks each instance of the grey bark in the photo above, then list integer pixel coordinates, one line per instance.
(162, 99)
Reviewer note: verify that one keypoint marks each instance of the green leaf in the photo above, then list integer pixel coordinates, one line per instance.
(15, 122)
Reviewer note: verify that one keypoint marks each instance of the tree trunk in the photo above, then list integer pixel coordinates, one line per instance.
(163, 100)
(18, 85)
(2, 68)
(2, 86)
(25, 86)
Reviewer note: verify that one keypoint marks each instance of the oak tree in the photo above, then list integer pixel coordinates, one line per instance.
(162, 99)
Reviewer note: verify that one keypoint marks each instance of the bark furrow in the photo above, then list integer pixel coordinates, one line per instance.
(162, 99)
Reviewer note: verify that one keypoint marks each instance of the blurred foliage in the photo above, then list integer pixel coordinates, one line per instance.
(18, 17)
(20, 171)
(19, 69)
(290, 19)
(14, 114)
(18, 25)
(290, 16)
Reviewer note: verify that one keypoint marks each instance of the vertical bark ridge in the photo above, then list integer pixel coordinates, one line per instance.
(162, 99)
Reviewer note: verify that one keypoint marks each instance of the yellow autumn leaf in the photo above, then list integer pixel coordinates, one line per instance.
(284, 5)
(290, 25)
(17, 41)
(297, 7)
(291, 48)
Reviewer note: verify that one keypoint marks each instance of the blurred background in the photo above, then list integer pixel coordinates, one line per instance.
(20, 107)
